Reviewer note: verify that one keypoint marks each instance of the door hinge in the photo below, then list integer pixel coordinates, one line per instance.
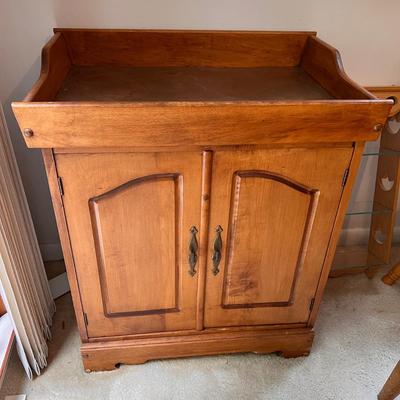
(345, 176)
(85, 318)
(312, 303)
(60, 186)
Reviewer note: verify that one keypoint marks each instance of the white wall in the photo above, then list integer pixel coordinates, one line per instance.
(24, 27)
(365, 32)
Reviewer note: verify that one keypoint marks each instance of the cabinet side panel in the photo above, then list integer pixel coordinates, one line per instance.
(337, 227)
(324, 64)
(55, 66)
(51, 171)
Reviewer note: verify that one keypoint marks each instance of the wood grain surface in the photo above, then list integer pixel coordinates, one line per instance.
(205, 124)
(131, 250)
(55, 67)
(180, 48)
(324, 64)
(275, 236)
(107, 355)
(106, 83)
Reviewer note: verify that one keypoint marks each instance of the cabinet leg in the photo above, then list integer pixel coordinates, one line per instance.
(294, 353)
(370, 272)
(391, 277)
(105, 365)
(92, 363)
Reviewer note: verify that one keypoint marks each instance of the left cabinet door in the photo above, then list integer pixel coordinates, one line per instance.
(129, 217)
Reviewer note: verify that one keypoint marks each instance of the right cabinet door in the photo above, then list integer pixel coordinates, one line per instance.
(272, 214)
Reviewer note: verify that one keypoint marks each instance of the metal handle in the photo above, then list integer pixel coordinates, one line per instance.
(216, 257)
(193, 247)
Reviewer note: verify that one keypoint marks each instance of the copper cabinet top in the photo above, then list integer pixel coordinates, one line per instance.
(123, 88)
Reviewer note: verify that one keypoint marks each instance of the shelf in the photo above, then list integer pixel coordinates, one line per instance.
(367, 207)
(350, 260)
(354, 256)
(337, 273)
(118, 83)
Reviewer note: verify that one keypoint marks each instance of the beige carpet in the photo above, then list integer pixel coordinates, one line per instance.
(356, 346)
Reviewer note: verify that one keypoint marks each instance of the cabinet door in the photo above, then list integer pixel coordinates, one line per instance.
(276, 208)
(128, 217)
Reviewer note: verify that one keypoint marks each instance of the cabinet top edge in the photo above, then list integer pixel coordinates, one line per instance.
(199, 31)
(199, 104)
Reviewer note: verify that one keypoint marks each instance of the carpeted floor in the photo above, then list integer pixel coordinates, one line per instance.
(357, 345)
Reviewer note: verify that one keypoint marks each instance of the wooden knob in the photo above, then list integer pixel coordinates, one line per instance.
(28, 132)
(378, 127)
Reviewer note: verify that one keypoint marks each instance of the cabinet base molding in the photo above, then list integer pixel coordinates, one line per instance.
(105, 356)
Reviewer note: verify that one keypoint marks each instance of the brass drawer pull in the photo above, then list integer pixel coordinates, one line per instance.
(216, 257)
(193, 247)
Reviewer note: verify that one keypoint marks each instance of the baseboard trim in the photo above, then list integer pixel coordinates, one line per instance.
(59, 285)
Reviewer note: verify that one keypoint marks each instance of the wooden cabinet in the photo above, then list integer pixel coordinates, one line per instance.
(199, 181)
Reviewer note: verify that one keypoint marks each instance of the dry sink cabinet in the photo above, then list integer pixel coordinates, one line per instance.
(199, 181)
